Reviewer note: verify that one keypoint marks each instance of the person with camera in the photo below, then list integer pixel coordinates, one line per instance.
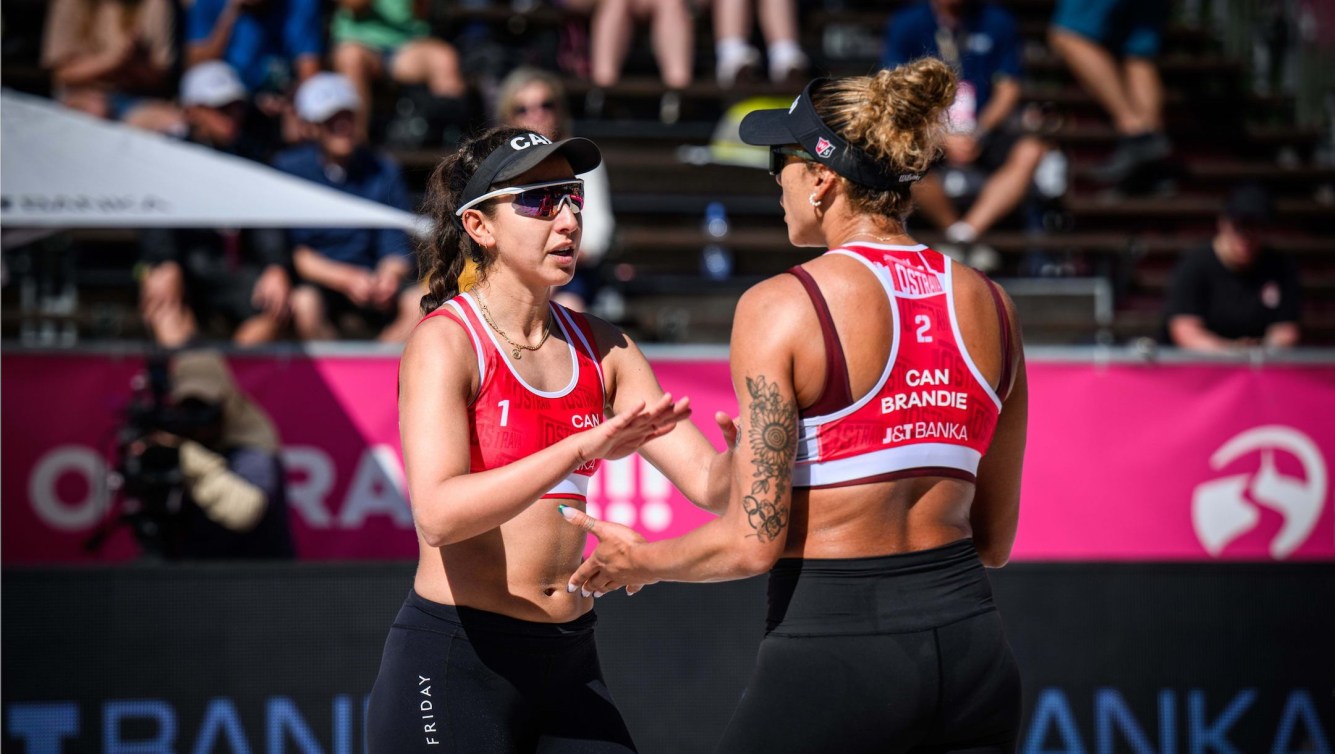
(223, 495)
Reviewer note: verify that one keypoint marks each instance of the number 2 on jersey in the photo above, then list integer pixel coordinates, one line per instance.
(924, 324)
(504, 406)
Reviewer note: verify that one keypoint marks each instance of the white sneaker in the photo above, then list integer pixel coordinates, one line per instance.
(730, 67)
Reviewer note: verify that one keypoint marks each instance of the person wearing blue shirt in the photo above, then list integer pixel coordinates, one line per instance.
(981, 41)
(348, 272)
(269, 42)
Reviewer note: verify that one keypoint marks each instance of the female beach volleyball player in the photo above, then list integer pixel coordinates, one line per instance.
(883, 404)
(501, 409)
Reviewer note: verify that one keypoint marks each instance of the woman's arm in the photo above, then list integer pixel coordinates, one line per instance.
(450, 504)
(684, 455)
(995, 514)
(750, 536)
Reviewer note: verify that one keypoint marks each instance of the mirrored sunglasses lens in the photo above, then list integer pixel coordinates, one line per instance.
(546, 202)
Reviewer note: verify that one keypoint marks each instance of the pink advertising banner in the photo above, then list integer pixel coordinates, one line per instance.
(1164, 462)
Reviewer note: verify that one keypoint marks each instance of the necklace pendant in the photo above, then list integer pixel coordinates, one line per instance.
(516, 355)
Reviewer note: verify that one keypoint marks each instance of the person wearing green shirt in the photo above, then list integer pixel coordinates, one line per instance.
(377, 39)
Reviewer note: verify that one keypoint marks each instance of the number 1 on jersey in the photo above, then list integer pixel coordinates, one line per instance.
(924, 324)
(504, 406)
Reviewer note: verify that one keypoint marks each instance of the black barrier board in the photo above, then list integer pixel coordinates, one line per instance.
(197, 659)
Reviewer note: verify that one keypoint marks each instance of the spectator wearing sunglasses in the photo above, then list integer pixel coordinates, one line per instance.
(535, 99)
(874, 494)
(353, 280)
(501, 408)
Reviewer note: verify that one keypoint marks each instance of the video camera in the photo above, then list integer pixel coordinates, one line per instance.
(147, 477)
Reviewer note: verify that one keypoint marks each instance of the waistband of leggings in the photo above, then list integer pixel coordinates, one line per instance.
(897, 593)
(477, 622)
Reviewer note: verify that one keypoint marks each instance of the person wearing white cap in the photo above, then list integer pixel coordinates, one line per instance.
(216, 104)
(228, 281)
(356, 274)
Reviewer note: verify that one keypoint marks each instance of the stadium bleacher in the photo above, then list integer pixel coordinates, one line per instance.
(1223, 132)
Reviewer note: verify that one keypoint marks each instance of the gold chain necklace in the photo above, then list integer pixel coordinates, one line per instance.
(518, 348)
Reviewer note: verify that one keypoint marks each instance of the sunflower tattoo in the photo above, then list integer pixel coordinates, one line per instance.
(773, 443)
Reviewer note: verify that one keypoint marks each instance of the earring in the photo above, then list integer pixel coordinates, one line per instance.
(813, 200)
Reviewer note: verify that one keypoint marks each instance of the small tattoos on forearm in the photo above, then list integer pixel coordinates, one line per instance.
(772, 436)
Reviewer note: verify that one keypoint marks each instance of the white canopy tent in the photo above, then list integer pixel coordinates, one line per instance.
(62, 169)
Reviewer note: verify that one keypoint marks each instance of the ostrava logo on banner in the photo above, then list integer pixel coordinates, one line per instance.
(1224, 509)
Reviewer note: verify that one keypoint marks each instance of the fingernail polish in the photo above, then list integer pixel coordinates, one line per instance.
(586, 593)
(596, 595)
(570, 588)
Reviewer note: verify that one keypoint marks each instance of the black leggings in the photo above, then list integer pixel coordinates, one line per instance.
(456, 679)
(901, 653)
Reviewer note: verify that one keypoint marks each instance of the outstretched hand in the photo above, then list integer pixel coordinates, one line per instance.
(624, 433)
(610, 566)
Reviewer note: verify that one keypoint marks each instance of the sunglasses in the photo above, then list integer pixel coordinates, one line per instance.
(540, 200)
(546, 106)
(777, 155)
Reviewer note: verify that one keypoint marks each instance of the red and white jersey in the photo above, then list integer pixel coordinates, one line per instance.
(931, 412)
(509, 419)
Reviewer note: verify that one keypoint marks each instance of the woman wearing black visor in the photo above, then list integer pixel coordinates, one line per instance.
(502, 398)
(883, 405)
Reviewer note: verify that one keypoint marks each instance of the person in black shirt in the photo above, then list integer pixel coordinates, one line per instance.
(224, 279)
(1234, 292)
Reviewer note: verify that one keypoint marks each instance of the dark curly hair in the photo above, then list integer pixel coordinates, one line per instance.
(447, 250)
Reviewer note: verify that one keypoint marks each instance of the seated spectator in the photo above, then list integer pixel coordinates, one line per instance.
(672, 37)
(736, 58)
(377, 39)
(217, 112)
(272, 44)
(1110, 46)
(981, 41)
(228, 281)
(113, 59)
(354, 277)
(1234, 292)
(535, 99)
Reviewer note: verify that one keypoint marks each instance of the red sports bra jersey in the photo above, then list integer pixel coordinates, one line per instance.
(509, 419)
(931, 412)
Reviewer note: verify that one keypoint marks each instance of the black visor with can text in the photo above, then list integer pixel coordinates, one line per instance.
(522, 153)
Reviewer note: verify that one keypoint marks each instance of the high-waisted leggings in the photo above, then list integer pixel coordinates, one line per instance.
(457, 679)
(900, 653)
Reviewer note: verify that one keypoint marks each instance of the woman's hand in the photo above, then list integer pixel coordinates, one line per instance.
(610, 565)
(624, 433)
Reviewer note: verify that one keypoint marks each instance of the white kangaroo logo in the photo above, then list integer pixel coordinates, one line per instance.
(1222, 510)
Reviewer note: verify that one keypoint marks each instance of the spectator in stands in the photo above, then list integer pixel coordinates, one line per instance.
(347, 273)
(235, 503)
(378, 39)
(981, 41)
(736, 58)
(1110, 46)
(672, 37)
(273, 45)
(228, 281)
(113, 59)
(535, 100)
(1234, 292)
(216, 109)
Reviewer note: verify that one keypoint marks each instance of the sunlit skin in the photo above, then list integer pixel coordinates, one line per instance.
(486, 539)
(772, 338)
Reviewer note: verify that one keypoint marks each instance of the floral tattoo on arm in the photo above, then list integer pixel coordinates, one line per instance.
(773, 444)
